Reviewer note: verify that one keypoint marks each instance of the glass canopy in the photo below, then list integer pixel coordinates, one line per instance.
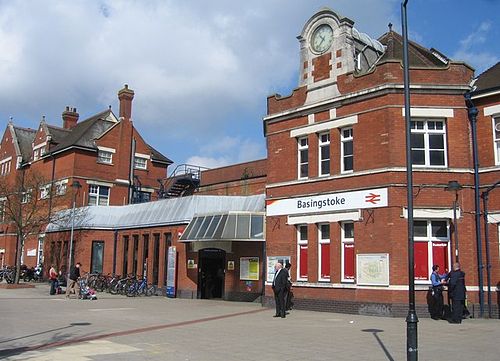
(229, 226)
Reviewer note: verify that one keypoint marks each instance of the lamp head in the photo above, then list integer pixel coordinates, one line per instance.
(453, 186)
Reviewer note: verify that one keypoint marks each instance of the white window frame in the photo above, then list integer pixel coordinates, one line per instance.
(430, 239)
(61, 187)
(45, 191)
(495, 121)
(322, 144)
(94, 191)
(26, 196)
(322, 241)
(302, 147)
(140, 166)
(2, 208)
(427, 132)
(104, 156)
(301, 242)
(344, 140)
(5, 166)
(346, 240)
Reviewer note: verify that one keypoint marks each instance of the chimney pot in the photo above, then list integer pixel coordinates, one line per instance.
(70, 118)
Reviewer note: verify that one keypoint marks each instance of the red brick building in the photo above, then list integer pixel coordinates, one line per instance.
(104, 154)
(336, 180)
(335, 187)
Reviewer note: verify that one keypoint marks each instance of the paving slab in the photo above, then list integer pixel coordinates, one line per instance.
(36, 326)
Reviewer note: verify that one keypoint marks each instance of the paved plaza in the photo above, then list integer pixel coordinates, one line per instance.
(36, 327)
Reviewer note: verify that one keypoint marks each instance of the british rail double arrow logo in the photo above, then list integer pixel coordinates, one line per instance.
(372, 198)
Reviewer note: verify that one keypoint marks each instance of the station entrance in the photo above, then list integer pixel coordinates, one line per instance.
(211, 273)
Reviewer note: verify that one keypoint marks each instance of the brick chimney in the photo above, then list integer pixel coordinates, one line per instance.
(70, 118)
(125, 96)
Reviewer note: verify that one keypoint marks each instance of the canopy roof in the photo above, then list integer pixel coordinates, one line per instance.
(228, 226)
(159, 213)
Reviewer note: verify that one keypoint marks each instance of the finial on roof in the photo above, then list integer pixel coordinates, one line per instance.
(11, 120)
(43, 118)
(390, 26)
(109, 107)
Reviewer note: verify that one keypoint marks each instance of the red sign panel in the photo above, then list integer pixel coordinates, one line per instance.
(349, 263)
(440, 255)
(303, 262)
(325, 260)
(421, 261)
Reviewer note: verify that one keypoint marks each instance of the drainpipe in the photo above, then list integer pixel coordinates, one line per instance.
(115, 245)
(52, 184)
(472, 113)
(131, 169)
(264, 268)
(484, 195)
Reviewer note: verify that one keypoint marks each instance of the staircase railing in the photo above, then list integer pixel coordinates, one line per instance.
(182, 171)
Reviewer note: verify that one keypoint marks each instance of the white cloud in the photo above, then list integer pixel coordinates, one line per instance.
(468, 49)
(227, 150)
(195, 66)
(208, 162)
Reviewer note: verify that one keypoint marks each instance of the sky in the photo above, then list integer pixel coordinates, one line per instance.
(201, 70)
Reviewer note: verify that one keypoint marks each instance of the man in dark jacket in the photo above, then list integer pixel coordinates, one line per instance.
(74, 275)
(456, 288)
(279, 287)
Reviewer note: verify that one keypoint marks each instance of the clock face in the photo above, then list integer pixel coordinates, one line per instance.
(322, 38)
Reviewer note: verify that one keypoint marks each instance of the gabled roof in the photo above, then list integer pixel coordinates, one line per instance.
(489, 80)
(57, 134)
(23, 140)
(84, 133)
(157, 156)
(418, 56)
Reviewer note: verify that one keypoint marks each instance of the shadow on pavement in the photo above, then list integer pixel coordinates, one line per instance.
(375, 332)
(56, 338)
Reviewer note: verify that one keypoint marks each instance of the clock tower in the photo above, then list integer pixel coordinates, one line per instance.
(330, 46)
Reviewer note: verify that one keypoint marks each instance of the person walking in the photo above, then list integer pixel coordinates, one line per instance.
(279, 288)
(456, 289)
(53, 280)
(74, 275)
(437, 293)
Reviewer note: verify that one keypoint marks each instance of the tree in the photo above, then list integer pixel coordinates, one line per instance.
(29, 203)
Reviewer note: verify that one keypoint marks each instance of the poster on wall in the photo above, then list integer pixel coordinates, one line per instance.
(271, 261)
(372, 269)
(249, 268)
(171, 272)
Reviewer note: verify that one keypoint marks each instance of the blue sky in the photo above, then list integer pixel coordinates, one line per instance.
(201, 70)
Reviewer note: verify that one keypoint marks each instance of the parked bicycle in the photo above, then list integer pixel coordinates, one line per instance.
(141, 287)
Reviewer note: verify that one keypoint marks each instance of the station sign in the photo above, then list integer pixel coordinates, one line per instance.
(332, 202)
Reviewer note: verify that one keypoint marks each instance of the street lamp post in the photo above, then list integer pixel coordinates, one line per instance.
(411, 318)
(454, 186)
(76, 186)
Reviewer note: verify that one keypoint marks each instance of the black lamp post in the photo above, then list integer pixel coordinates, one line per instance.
(76, 187)
(411, 318)
(454, 186)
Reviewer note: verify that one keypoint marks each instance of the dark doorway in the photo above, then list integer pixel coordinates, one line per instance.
(211, 273)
